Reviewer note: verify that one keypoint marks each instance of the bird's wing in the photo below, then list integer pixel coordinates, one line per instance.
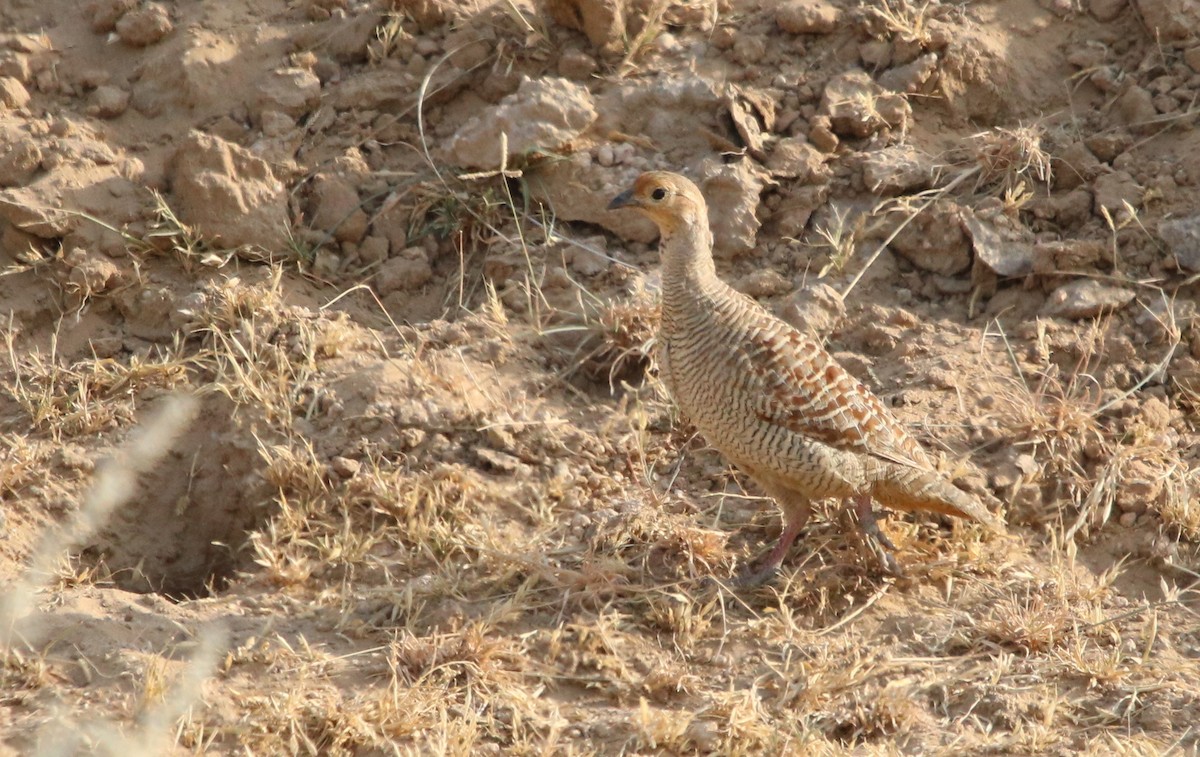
(801, 388)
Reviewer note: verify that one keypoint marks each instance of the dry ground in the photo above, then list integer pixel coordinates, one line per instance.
(329, 423)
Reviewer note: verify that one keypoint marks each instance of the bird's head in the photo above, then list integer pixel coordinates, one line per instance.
(668, 199)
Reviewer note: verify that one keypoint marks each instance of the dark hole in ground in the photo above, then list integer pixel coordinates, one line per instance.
(184, 531)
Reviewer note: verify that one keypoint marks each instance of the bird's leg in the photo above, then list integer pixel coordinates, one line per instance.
(795, 515)
(870, 528)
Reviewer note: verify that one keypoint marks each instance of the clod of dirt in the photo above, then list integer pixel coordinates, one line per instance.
(858, 107)
(1182, 237)
(293, 91)
(817, 309)
(1114, 191)
(753, 116)
(797, 159)
(1002, 245)
(108, 102)
(1086, 298)
(603, 21)
(1074, 166)
(144, 26)
(13, 93)
(897, 169)
(935, 241)
(808, 17)
(192, 513)
(409, 270)
(1170, 19)
(732, 191)
(1067, 256)
(226, 194)
(335, 209)
(20, 160)
(543, 115)
(1136, 108)
(103, 14)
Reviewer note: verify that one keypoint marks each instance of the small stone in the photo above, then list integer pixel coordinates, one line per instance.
(108, 102)
(345, 467)
(1085, 298)
(766, 282)
(808, 17)
(1106, 10)
(408, 271)
(144, 26)
(576, 64)
(896, 170)
(336, 209)
(326, 264)
(374, 249)
(1182, 237)
(821, 135)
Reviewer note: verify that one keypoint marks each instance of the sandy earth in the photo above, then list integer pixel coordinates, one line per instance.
(430, 496)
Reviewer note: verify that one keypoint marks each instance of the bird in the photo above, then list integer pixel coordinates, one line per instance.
(770, 398)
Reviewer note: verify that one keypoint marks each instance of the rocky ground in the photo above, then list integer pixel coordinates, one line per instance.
(428, 495)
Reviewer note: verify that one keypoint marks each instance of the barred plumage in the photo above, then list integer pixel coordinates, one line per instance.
(769, 397)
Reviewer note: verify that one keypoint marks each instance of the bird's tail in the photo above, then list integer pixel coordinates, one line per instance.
(913, 489)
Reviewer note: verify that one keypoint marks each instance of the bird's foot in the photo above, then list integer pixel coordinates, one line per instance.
(877, 541)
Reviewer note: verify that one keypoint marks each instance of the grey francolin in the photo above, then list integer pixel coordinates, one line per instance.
(769, 397)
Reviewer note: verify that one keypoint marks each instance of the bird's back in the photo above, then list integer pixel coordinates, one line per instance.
(749, 379)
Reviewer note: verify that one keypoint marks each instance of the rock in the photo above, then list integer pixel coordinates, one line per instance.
(935, 240)
(766, 282)
(103, 14)
(1182, 237)
(13, 93)
(335, 208)
(108, 102)
(911, 77)
(602, 21)
(1136, 108)
(1067, 256)
(20, 161)
(794, 212)
(228, 195)
(820, 134)
(144, 26)
(1000, 244)
(895, 170)
(576, 64)
(1169, 20)
(294, 91)
(1112, 191)
(409, 270)
(579, 190)
(1106, 10)
(732, 191)
(1085, 298)
(808, 16)
(816, 309)
(858, 107)
(1108, 146)
(797, 159)
(373, 250)
(1074, 166)
(543, 115)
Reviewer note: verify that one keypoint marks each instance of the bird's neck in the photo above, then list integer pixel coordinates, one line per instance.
(687, 256)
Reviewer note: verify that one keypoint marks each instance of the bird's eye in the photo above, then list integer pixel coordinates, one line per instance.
(658, 194)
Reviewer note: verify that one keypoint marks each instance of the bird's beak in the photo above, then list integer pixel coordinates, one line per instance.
(623, 200)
